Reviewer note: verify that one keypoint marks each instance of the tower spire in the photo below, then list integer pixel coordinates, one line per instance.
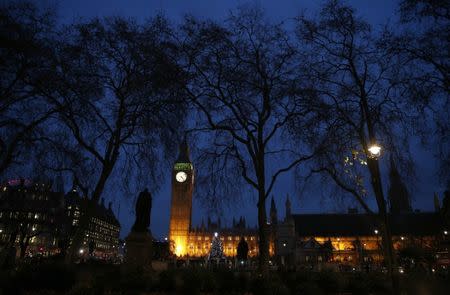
(398, 194)
(273, 212)
(288, 207)
(183, 155)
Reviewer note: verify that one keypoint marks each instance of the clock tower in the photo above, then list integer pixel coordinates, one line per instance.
(181, 203)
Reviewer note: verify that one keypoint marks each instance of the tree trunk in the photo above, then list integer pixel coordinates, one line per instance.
(374, 170)
(23, 247)
(389, 253)
(263, 238)
(388, 250)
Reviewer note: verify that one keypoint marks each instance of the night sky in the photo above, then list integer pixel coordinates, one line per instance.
(311, 200)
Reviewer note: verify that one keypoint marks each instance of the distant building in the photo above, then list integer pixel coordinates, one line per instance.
(187, 241)
(101, 237)
(311, 240)
(353, 239)
(31, 217)
(37, 220)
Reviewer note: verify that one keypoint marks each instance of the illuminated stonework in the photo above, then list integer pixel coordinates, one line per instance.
(180, 214)
(187, 241)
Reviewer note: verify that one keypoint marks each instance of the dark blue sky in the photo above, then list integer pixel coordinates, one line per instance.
(311, 200)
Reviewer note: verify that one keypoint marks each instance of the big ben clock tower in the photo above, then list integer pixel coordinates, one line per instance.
(181, 205)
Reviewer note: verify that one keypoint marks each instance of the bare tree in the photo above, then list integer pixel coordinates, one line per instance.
(421, 41)
(358, 84)
(25, 59)
(243, 80)
(120, 107)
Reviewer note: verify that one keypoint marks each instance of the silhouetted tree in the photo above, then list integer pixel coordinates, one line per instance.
(357, 82)
(421, 42)
(243, 80)
(26, 59)
(121, 108)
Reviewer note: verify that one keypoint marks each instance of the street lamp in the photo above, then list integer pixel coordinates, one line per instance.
(374, 150)
(378, 242)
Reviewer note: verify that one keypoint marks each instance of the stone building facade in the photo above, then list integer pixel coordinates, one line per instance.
(353, 240)
(349, 239)
(187, 241)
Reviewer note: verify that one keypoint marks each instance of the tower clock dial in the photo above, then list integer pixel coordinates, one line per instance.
(181, 176)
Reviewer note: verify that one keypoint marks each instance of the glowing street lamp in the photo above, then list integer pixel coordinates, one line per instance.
(374, 150)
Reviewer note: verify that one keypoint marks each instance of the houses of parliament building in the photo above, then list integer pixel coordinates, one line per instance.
(186, 240)
(349, 238)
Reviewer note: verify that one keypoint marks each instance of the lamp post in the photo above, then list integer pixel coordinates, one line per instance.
(378, 244)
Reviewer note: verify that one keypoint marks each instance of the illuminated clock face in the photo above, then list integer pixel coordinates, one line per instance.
(181, 176)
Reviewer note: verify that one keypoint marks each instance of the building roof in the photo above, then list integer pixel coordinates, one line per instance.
(332, 225)
(24, 195)
(103, 213)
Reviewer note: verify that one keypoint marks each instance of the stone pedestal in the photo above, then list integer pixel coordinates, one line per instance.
(139, 250)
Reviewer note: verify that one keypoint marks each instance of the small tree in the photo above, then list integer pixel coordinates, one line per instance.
(216, 251)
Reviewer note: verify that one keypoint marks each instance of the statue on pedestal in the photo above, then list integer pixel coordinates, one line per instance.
(143, 211)
(139, 241)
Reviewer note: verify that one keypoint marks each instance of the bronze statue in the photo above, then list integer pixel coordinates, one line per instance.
(143, 210)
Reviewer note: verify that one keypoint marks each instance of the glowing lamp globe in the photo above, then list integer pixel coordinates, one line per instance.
(374, 150)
